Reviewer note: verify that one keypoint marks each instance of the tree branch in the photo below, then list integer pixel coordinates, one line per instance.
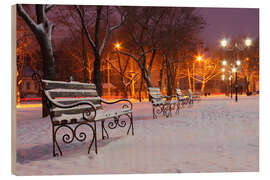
(27, 18)
(84, 27)
(48, 7)
(151, 62)
(109, 30)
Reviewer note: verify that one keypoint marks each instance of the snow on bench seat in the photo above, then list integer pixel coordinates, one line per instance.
(100, 115)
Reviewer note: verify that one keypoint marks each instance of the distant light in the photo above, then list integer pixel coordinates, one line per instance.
(233, 69)
(248, 42)
(223, 42)
(230, 77)
(117, 46)
(223, 77)
(238, 62)
(199, 58)
(224, 63)
(223, 69)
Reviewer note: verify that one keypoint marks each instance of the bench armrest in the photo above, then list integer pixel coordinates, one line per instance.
(86, 115)
(124, 106)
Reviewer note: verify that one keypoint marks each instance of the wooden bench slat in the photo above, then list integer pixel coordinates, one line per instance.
(66, 85)
(101, 115)
(94, 100)
(54, 93)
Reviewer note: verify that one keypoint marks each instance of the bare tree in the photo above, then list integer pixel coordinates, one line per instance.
(142, 31)
(67, 17)
(127, 74)
(97, 45)
(250, 64)
(179, 31)
(42, 30)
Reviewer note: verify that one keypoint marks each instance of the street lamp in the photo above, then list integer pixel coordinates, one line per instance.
(117, 46)
(248, 42)
(223, 77)
(224, 63)
(223, 42)
(238, 62)
(199, 58)
(234, 67)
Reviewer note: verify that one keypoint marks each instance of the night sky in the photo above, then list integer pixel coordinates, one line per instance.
(228, 22)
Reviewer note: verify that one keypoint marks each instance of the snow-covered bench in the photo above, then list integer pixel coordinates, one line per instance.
(161, 104)
(194, 97)
(182, 99)
(73, 104)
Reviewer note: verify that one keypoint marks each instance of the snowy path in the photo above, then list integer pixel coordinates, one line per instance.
(216, 135)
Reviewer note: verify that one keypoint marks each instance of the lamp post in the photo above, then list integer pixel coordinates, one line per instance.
(230, 78)
(224, 63)
(199, 58)
(235, 66)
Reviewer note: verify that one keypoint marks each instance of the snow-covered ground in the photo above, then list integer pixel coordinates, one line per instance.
(215, 135)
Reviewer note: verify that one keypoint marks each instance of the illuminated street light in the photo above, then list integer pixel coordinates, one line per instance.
(248, 42)
(223, 43)
(199, 58)
(117, 46)
(224, 63)
(238, 62)
(223, 77)
(223, 69)
(234, 69)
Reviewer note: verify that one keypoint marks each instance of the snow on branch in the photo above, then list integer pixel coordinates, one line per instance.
(48, 7)
(27, 18)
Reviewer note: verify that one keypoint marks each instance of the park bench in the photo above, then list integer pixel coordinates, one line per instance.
(72, 105)
(194, 97)
(161, 104)
(182, 99)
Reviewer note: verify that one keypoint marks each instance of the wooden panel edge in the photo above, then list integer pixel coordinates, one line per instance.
(13, 89)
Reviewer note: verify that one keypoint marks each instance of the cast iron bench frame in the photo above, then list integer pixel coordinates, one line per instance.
(182, 99)
(83, 112)
(194, 97)
(159, 104)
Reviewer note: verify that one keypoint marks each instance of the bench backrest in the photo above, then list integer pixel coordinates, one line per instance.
(179, 93)
(155, 95)
(68, 93)
(190, 93)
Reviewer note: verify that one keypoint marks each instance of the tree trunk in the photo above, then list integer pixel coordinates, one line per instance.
(48, 58)
(189, 80)
(48, 65)
(140, 90)
(169, 83)
(203, 87)
(147, 79)
(84, 55)
(97, 74)
(160, 77)
(247, 86)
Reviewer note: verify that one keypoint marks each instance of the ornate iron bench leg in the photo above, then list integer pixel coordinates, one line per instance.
(154, 114)
(131, 125)
(177, 107)
(55, 143)
(170, 108)
(94, 139)
(104, 130)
